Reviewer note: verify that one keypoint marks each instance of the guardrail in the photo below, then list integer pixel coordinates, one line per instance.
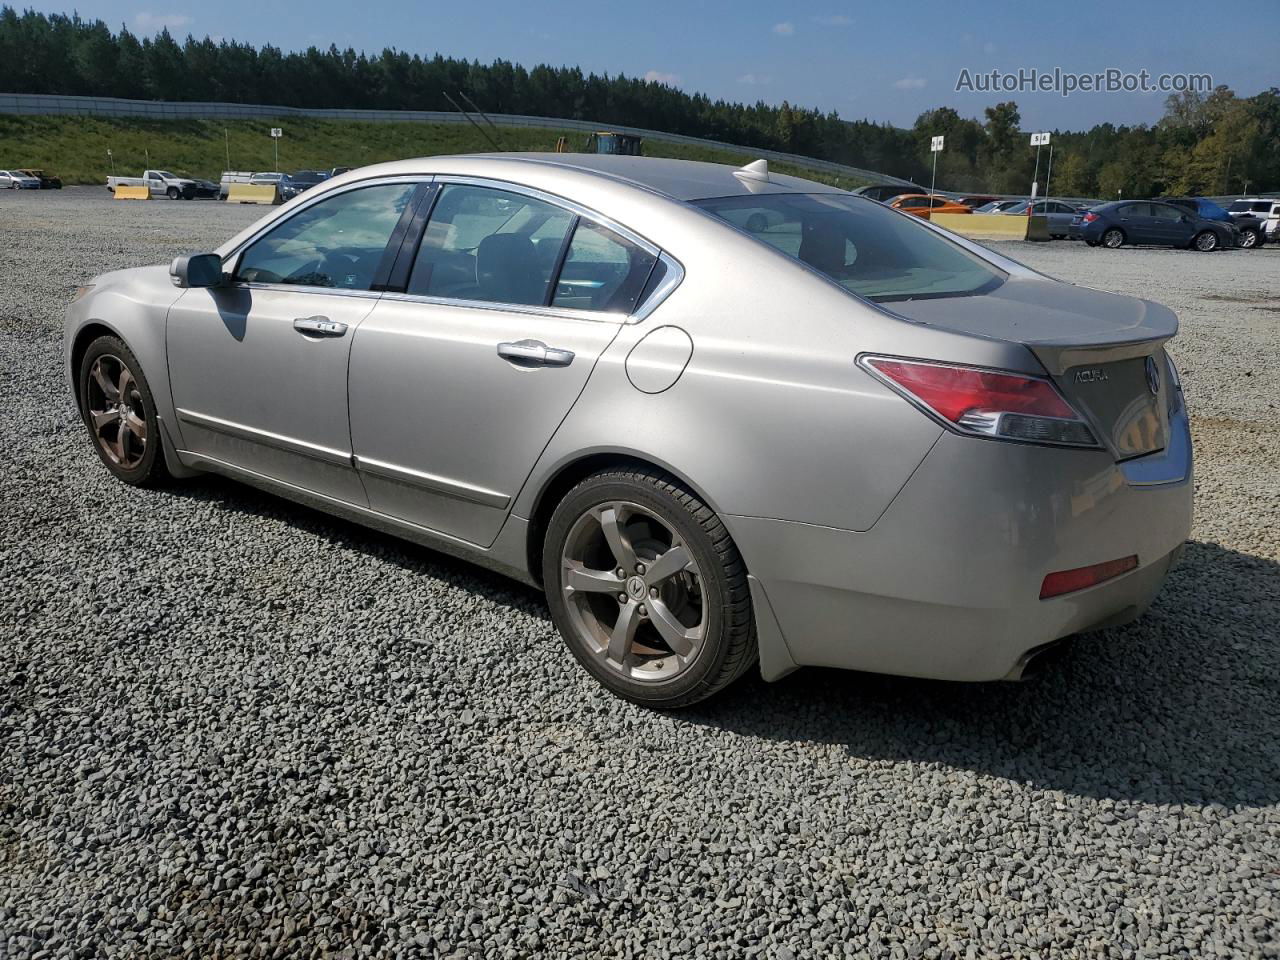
(57, 104)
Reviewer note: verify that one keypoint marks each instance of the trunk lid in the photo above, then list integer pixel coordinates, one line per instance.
(1105, 352)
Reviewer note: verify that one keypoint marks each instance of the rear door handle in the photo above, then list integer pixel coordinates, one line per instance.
(319, 327)
(534, 353)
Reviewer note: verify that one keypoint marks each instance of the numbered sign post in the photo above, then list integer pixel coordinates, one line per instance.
(1038, 140)
(935, 147)
(276, 134)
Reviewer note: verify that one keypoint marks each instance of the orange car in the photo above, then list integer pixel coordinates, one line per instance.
(922, 205)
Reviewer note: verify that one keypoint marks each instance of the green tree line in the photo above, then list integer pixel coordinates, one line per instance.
(1215, 143)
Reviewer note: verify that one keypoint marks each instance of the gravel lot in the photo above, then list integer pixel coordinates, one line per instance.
(230, 726)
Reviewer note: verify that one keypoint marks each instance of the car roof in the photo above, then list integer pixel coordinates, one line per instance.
(677, 179)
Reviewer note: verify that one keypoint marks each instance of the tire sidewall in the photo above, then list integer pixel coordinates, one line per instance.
(146, 467)
(1114, 231)
(715, 588)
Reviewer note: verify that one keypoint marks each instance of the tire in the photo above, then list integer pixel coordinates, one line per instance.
(1249, 239)
(140, 461)
(1092, 243)
(1113, 238)
(1206, 241)
(650, 516)
(173, 193)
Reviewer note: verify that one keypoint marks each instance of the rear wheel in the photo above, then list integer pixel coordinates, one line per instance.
(120, 413)
(1206, 241)
(648, 589)
(1113, 238)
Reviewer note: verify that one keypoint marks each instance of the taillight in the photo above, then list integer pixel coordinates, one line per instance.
(1090, 217)
(1069, 581)
(987, 403)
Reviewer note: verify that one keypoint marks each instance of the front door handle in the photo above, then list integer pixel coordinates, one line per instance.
(534, 353)
(319, 327)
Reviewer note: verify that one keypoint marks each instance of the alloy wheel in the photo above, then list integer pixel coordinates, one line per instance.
(1206, 242)
(1112, 239)
(633, 591)
(117, 415)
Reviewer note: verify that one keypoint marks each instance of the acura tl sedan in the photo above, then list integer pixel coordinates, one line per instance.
(722, 417)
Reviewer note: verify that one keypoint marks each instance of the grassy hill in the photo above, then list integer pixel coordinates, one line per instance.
(76, 148)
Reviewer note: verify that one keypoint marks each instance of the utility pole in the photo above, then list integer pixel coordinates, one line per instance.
(1049, 173)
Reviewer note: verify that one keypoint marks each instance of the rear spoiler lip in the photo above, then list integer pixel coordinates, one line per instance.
(1058, 358)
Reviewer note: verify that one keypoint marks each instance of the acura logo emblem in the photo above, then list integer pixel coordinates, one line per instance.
(1153, 376)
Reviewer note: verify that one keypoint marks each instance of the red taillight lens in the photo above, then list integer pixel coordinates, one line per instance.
(991, 403)
(1090, 217)
(1069, 581)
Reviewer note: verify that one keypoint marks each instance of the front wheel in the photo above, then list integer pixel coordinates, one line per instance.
(1206, 241)
(648, 589)
(120, 413)
(173, 193)
(1113, 238)
(1249, 238)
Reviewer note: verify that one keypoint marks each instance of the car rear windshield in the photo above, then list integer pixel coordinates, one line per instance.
(864, 246)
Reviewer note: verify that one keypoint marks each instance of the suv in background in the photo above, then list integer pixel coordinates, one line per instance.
(1265, 208)
(1249, 229)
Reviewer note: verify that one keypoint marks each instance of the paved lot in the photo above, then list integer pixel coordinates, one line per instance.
(231, 726)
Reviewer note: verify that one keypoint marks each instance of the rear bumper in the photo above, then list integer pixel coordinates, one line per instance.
(947, 583)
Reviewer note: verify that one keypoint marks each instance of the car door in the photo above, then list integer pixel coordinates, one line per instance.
(258, 366)
(1135, 220)
(1172, 225)
(459, 381)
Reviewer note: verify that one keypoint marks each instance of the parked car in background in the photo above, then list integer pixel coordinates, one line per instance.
(1251, 228)
(17, 180)
(47, 180)
(301, 181)
(232, 176)
(206, 190)
(973, 203)
(161, 183)
(523, 360)
(1057, 213)
(923, 205)
(996, 206)
(1152, 223)
(267, 179)
(1266, 209)
(882, 191)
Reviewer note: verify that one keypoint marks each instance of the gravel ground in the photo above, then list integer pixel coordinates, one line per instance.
(233, 727)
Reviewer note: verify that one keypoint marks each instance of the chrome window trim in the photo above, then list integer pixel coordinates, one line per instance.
(573, 206)
(233, 257)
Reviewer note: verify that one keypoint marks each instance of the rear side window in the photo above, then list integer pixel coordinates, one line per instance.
(337, 242)
(490, 245)
(868, 249)
(602, 271)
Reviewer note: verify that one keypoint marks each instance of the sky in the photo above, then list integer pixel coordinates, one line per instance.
(865, 60)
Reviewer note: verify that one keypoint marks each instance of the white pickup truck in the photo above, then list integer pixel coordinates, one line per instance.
(162, 183)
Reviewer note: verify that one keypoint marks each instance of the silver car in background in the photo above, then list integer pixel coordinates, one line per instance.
(720, 416)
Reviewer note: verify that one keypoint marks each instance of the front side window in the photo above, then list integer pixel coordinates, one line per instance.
(865, 247)
(490, 245)
(602, 271)
(338, 242)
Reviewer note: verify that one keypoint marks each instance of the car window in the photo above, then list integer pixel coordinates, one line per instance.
(1134, 210)
(1162, 211)
(490, 245)
(865, 248)
(337, 242)
(602, 271)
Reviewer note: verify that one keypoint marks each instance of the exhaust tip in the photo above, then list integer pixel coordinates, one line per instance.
(1036, 660)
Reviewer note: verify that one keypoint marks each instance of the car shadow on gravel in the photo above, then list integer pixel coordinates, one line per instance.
(1182, 706)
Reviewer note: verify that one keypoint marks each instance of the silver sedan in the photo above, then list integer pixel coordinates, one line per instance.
(723, 417)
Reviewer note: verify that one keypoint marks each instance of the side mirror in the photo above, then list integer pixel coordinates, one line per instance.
(196, 270)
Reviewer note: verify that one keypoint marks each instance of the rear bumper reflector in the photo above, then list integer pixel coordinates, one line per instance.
(1069, 581)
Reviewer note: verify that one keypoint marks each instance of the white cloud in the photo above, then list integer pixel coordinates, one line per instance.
(784, 29)
(835, 20)
(755, 79)
(148, 22)
(655, 76)
(910, 83)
